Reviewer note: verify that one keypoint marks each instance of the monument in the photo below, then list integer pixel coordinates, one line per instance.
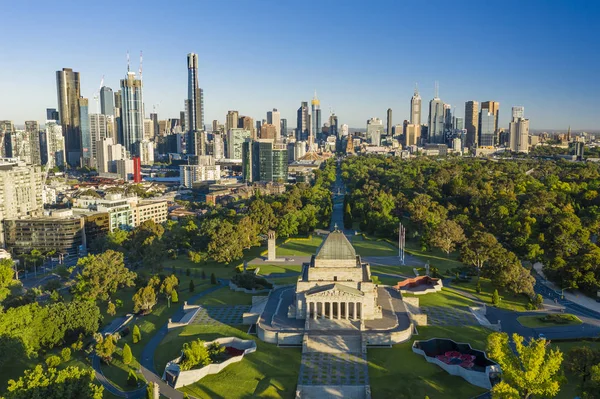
(271, 246)
(336, 284)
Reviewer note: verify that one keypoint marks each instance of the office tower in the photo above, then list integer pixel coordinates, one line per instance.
(99, 130)
(415, 108)
(283, 128)
(494, 108)
(344, 130)
(218, 148)
(316, 115)
(247, 123)
(412, 134)
(107, 105)
(235, 138)
(155, 127)
(389, 122)
(519, 131)
(196, 142)
(447, 118)
(52, 114)
(486, 128)
(274, 118)
(459, 123)
(55, 145)
(258, 128)
(471, 123)
(333, 125)
(146, 150)
(195, 106)
(215, 125)
(118, 117)
(518, 112)
(302, 123)
(32, 132)
(118, 99)
(21, 189)
(374, 131)
(203, 169)
(231, 121)
(264, 160)
(132, 114)
(436, 119)
(183, 119)
(86, 139)
(69, 92)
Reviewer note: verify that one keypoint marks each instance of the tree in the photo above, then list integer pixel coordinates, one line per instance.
(496, 298)
(531, 370)
(479, 249)
(192, 286)
(69, 383)
(213, 279)
(105, 347)
(132, 379)
(65, 354)
(446, 235)
(194, 354)
(144, 299)
(53, 361)
(111, 309)
(347, 215)
(127, 355)
(168, 286)
(174, 296)
(579, 361)
(150, 391)
(6, 277)
(136, 336)
(101, 275)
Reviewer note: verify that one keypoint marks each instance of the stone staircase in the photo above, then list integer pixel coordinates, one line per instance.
(333, 343)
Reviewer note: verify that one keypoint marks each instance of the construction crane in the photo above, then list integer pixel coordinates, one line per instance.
(97, 95)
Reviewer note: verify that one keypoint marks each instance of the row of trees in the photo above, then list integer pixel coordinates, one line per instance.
(537, 210)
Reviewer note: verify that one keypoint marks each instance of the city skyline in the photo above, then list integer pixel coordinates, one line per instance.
(556, 91)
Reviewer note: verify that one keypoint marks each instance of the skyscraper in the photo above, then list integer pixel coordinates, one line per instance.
(415, 108)
(132, 115)
(374, 131)
(447, 118)
(86, 139)
(389, 122)
(107, 105)
(519, 131)
(98, 132)
(494, 108)
(69, 92)
(302, 122)
(231, 121)
(471, 123)
(195, 99)
(436, 119)
(333, 125)
(52, 114)
(55, 145)
(316, 115)
(284, 131)
(274, 118)
(32, 131)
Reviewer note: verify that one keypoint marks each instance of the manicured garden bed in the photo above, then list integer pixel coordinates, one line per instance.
(549, 320)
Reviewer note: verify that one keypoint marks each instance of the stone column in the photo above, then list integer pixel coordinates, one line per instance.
(346, 313)
(271, 246)
(322, 310)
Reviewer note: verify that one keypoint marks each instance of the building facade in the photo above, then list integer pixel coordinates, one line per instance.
(472, 123)
(69, 92)
(107, 104)
(436, 121)
(235, 138)
(132, 114)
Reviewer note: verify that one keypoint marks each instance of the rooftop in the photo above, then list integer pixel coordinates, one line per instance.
(337, 247)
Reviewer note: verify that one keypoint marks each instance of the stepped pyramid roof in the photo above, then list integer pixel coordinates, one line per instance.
(336, 246)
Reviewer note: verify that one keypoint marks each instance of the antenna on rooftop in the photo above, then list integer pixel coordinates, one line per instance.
(437, 89)
(127, 61)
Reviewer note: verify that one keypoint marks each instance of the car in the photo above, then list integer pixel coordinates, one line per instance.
(541, 335)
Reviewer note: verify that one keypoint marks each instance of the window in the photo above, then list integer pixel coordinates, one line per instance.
(334, 278)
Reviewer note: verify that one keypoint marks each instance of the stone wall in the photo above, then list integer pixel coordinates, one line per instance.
(191, 376)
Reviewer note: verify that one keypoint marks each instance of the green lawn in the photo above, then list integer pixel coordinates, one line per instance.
(225, 296)
(509, 301)
(383, 280)
(283, 280)
(269, 372)
(570, 388)
(268, 270)
(118, 371)
(434, 256)
(300, 247)
(366, 246)
(400, 373)
(443, 298)
(405, 270)
(554, 320)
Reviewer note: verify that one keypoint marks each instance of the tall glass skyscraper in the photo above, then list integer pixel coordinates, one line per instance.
(107, 104)
(195, 102)
(68, 91)
(316, 116)
(487, 122)
(86, 138)
(132, 116)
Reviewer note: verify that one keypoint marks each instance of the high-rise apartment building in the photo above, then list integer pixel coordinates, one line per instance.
(415, 108)
(274, 118)
(132, 114)
(86, 138)
(316, 115)
(333, 125)
(302, 122)
(107, 105)
(268, 131)
(519, 131)
(412, 134)
(436, 119)
(448, 118)
(264, 160)
(472, 123)
(247, 123)
(32, 131)
(284, 131)
(494, 108)
(389, 122)
(21, 189)
(100, 126)
(55, 145)
(235, 138)
(195, 111)
(459, 123)
(375, 130)
(69, 93)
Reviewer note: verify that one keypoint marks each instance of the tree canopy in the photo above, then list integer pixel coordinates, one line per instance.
(101, 275)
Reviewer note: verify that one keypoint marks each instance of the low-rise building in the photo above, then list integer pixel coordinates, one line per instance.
(146, 210)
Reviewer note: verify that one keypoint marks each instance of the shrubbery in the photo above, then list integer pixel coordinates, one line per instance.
(251, 281)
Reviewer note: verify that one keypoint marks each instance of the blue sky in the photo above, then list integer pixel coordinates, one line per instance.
(362, 57)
